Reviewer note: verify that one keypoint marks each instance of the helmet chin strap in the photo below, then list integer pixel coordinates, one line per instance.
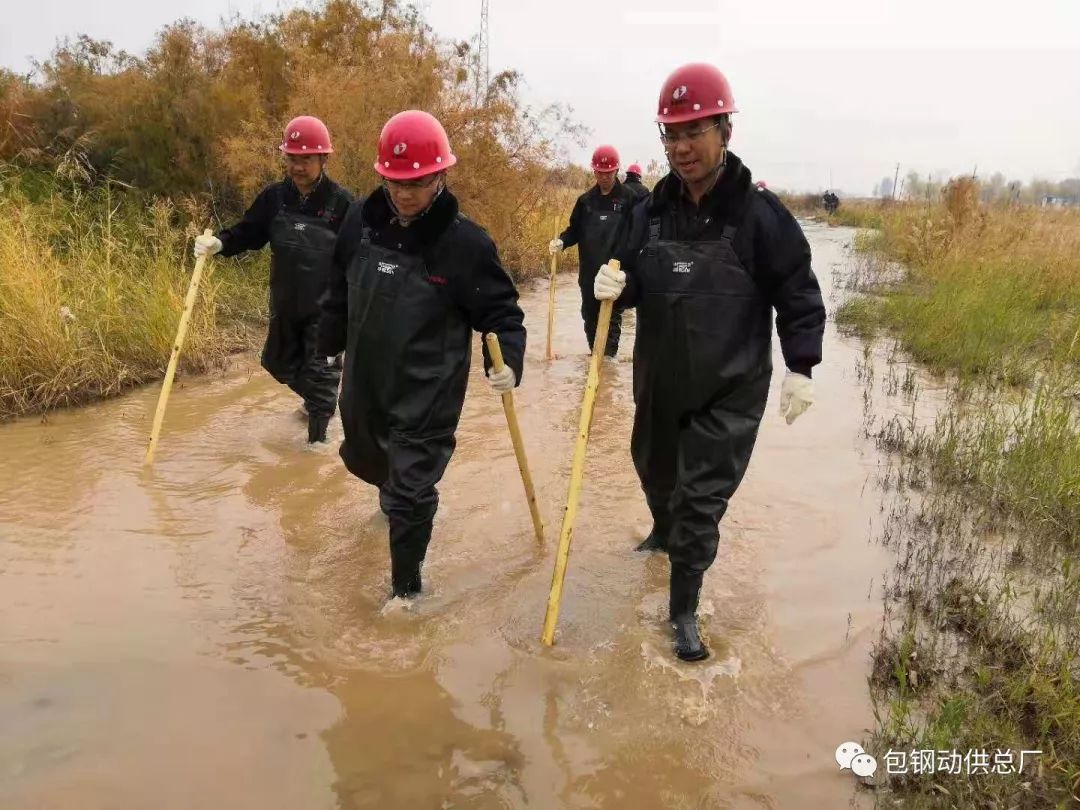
(714, 172)
(405, 221)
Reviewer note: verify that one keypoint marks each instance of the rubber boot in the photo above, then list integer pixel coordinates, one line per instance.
(660, 509)
(685, 590)
(408, 547)
(405, 577)
(316, 428)
(656, 541)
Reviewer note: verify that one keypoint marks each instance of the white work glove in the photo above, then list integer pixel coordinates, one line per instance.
(608, 284)
(207, 245)
(502, 382)
(796, 395)
(554, 246)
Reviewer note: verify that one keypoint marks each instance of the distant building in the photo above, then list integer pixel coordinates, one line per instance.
(1052, 201)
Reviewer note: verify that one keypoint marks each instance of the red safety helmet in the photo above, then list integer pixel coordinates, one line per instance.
(605, 159)
(633, 168)
(306, 135)
(694, 91)
(413, 144)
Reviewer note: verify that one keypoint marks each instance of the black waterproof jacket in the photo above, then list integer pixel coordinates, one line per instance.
(595, 225)
(327, 201)
(637, 188)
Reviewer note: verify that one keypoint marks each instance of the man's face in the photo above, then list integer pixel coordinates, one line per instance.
(411, 197)
(606, 181)
(304, 170)
(694, 148)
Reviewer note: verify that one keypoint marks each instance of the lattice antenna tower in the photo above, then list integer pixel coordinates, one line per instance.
(483, 67)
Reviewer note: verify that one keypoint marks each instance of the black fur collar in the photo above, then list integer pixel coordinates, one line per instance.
(726, 196)
(378, 215)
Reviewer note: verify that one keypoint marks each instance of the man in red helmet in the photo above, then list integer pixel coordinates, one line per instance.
(707, 259)
(633, 181)
(595, 223)
(299, 216)
(412, 278)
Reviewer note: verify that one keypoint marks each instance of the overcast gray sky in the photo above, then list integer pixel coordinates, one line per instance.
(847, 87)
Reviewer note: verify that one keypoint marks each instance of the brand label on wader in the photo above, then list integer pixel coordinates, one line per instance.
(603, 217)
(682, 267)
(389, 269)
(299, 226)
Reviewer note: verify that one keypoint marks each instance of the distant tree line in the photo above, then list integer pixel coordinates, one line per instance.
(201, 111)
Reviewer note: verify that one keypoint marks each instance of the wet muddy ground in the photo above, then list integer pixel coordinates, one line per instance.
(216, 632)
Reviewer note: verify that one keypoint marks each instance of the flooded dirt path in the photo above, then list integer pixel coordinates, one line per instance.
(216, 633)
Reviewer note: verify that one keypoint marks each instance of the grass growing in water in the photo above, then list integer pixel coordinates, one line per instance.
(980, 647)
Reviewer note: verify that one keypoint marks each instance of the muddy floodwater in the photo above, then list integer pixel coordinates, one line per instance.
(216, 633)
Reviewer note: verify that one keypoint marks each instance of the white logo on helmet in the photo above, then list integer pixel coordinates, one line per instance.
(294, 135)
(399, 149)
(680, 91)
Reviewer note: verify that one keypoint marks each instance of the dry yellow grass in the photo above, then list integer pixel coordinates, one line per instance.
(989, 290)
(90, 294)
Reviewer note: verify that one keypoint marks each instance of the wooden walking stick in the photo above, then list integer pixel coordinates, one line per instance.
(170, 372)
(551, 305)
(515, 436)
(577, 469)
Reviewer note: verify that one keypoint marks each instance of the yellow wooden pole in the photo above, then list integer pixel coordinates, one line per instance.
(577, 470)
(551, 306)
(170, 372)
(515, 436)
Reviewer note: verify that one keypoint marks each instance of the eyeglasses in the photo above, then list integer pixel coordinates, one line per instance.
(403, 185)
(674, 138)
